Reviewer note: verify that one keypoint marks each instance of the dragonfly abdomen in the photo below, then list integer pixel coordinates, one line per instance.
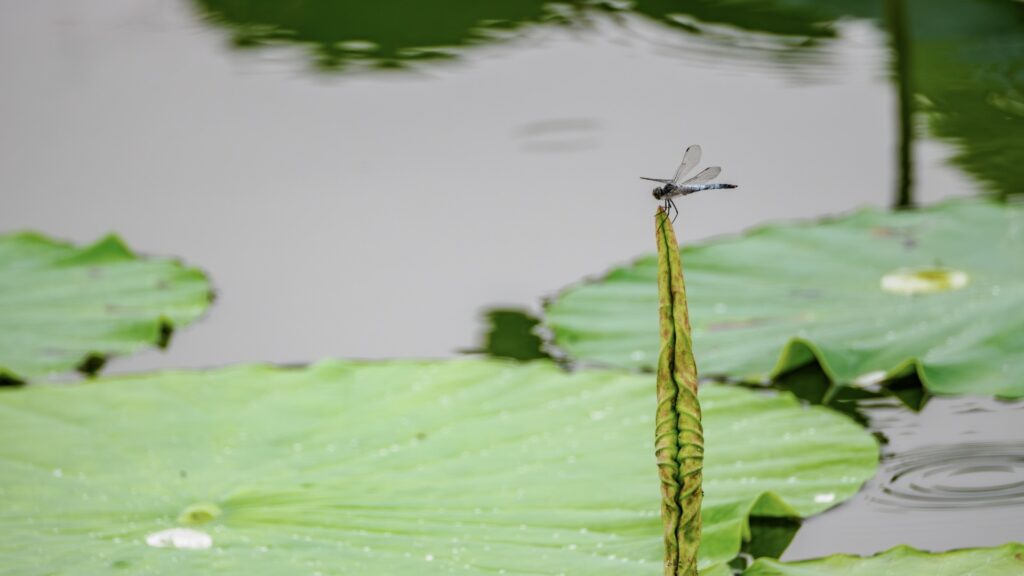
(690, 189)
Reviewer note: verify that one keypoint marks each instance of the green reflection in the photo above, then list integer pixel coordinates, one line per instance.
(959, 63)
(806, 18)
(511, 333)
(381, 33)
(896, 20)
(968, 71)
(389, 33)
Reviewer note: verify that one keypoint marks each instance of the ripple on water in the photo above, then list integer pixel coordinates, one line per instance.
(969, 475)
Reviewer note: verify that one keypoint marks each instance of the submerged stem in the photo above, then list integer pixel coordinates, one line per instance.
(678, 435)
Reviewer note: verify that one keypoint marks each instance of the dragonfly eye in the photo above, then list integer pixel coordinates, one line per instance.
(656, 193)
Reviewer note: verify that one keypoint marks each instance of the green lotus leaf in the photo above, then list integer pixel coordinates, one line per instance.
(400, 467)
(937, 293)
(905, 561)
(63, 307)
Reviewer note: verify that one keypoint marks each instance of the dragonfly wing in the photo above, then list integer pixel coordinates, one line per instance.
(690, 160)
(705, 175)
(662, 180)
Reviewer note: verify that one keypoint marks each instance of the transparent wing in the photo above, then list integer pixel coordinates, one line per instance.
(690, 160)
(706, 175)
(662, 180)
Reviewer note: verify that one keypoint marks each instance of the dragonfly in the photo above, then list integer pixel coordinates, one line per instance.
(676, 187)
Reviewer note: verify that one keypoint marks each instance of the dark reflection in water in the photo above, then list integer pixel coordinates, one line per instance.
(793, 36)
(896, 19)
(382, 34)
(960, 63)
(393, 33)
(770, 536)
(809, 19)
(968, 71)
(511, 333)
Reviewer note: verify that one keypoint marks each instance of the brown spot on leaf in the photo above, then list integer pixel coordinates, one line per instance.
(902, 234)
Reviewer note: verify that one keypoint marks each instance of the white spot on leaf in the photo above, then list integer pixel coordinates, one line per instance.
(911, 281)
(182, 538)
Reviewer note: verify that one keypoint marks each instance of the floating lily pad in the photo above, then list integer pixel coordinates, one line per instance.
(392, 468)
(905, 561)
(874, 296)
(63, 307)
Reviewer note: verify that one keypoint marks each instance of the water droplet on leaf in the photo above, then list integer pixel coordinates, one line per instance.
(181, 538)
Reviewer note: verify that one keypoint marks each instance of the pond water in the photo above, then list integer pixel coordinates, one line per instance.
(369, 183)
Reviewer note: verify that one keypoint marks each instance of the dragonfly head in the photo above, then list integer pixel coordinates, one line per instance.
(658, 193)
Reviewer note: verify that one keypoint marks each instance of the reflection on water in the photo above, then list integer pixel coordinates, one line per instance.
(394, 33)
(896, 20)
(968, 69)
(960, 63)
(511, 333)
(793, 37)
(384, 34)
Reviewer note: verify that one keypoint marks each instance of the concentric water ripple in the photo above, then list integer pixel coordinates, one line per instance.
(952, 477)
